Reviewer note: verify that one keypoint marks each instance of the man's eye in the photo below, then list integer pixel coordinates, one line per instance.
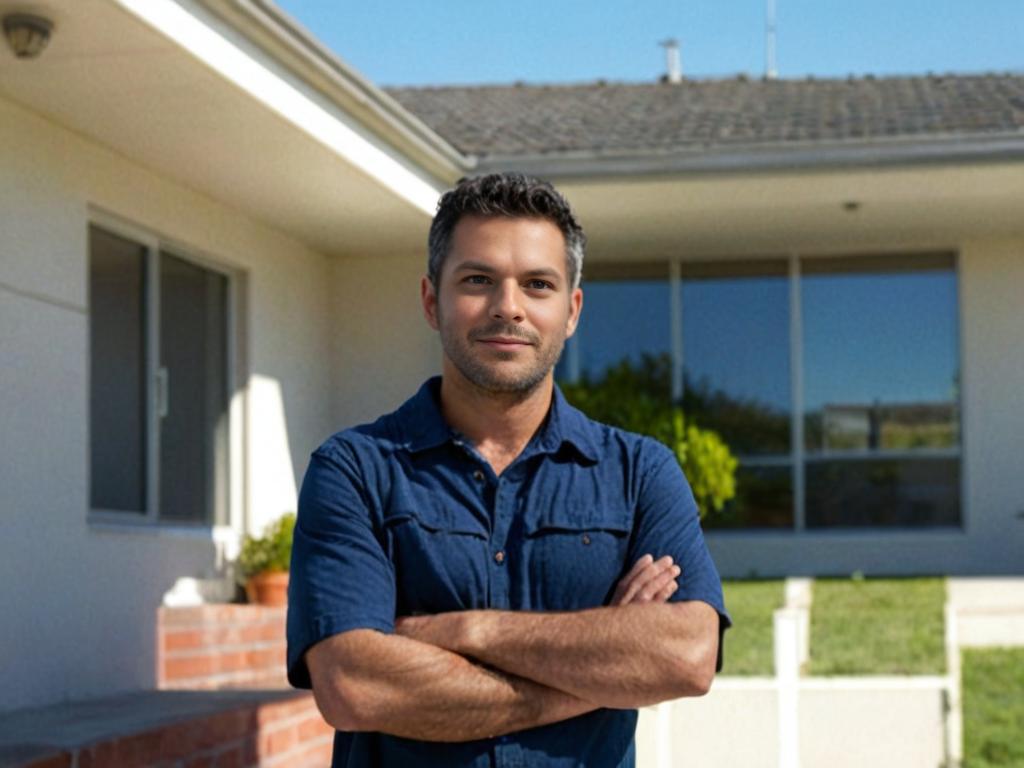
(477, 280)
(539, 285)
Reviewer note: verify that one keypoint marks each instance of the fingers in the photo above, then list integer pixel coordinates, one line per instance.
(666, 592)
(620, 588)
(663, 583)
(646, 581)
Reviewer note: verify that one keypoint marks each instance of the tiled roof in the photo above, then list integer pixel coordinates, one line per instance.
(637, 117)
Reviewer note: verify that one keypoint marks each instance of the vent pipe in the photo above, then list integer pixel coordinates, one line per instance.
(673, 61)
(770, 70)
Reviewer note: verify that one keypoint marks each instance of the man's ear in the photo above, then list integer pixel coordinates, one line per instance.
(429, 298)
(575, 309)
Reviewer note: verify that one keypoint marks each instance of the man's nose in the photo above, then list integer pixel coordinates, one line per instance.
(507, 302)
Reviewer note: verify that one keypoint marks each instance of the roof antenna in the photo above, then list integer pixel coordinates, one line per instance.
(672, 60)
(770, 71)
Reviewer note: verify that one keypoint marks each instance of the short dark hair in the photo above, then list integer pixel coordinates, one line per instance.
(514, 195)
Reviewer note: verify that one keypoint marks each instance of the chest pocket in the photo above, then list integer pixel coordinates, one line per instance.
(575, 555)
(439, 557)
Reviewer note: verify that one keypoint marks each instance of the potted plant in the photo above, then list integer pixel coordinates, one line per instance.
(264, 562)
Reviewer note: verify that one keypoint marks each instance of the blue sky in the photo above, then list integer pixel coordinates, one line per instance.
(407, 42)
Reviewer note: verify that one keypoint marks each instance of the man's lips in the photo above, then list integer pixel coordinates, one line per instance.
(502, 342)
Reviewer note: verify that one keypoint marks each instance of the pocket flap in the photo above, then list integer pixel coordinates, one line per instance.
(436, 519)
(579, 518)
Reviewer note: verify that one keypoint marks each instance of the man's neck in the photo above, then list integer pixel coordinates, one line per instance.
(499, 425)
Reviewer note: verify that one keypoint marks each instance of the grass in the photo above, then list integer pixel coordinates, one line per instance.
(993, 704)
(748, 644)
(878, 627)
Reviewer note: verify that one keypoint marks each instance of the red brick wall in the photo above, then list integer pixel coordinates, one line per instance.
(221, 646)
(216, 647)
(279, 734)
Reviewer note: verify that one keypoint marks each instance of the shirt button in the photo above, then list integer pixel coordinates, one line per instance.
(499, 557)
(586, 539)
(478, 475)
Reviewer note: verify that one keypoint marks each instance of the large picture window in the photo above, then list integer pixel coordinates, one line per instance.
(158, 383)
(834, 380)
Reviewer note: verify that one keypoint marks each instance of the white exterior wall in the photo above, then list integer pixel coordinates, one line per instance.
(991, 294)
(79, 601)
(992, 301)
(383, 348)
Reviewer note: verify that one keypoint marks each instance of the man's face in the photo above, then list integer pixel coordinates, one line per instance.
(503, 306)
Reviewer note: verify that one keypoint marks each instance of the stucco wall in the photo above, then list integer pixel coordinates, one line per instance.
(992, 301)
(79, 600)
(383, 348)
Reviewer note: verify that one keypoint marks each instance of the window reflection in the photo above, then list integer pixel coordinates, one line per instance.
(880, 354)
(883, 492)
(736, 353)
(626, 319)
(879, 372)
(764, 499)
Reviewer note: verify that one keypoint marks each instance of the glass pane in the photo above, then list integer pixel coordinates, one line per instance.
(623, 321)
(117, 364)
(764, 499)
(623, 352)
(736, 353)
(193, 435)
(881, 354)
(883, 492)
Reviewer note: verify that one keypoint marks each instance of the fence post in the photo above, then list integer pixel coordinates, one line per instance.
(663, 735)
(788, 641)
(954, 715)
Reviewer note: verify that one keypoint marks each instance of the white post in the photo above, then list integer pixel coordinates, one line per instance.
(787, 674)
(954, 718)
(663, 735)
(798, 597)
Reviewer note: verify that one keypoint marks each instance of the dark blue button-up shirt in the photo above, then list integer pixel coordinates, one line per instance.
(403, 516)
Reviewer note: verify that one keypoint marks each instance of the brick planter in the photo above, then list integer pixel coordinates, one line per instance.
(221, 646)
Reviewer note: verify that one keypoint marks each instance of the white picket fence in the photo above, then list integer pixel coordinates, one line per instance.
(791, 721)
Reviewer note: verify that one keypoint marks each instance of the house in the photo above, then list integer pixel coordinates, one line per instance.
(212, 236)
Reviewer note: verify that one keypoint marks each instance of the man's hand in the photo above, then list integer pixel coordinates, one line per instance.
(648, 581)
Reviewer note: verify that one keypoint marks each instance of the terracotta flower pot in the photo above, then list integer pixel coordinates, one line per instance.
(269, 588)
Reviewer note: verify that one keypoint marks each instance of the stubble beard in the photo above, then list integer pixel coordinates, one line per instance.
(490, 377)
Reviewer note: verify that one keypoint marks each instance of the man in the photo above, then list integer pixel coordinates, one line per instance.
(485, 576)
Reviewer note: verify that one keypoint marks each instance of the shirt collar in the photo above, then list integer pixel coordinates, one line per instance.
(420, 421)
(422, 426)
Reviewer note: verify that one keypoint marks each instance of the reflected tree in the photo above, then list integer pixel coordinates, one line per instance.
(636, 396)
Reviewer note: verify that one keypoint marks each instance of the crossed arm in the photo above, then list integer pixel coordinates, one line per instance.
(473, 674)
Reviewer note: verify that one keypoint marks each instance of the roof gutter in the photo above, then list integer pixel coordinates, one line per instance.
(747, 159)
(316, 64)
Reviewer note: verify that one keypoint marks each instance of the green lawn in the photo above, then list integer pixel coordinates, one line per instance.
(878, 627)
(748, 645)
(993, 703)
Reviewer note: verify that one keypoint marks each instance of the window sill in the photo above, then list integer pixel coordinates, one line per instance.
(107, 523)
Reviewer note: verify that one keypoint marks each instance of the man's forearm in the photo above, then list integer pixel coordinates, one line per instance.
(369, 681)
(619, 656)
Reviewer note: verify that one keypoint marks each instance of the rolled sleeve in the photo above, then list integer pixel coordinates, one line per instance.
(341, 578)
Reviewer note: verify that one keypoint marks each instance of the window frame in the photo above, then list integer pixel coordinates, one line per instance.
(154, 245)
(799, 456)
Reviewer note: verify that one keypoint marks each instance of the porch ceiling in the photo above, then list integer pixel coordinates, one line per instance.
(111, 77)
(715, 215)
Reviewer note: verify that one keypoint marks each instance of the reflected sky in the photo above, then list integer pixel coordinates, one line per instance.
(736, 337)
(885, 337)
(622, 319)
